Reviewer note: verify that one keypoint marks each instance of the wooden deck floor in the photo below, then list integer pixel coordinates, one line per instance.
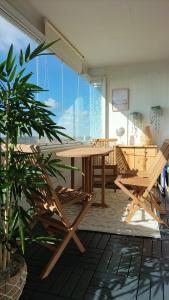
(113, 267)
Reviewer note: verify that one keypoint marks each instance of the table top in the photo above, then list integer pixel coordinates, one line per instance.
(84, 152)
(137, 146)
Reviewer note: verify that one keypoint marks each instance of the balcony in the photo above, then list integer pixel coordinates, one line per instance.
(107, 79)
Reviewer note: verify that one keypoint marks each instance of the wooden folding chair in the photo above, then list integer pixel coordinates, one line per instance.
(110, 162)
(140, 189)
(50, 212)
(122, 164)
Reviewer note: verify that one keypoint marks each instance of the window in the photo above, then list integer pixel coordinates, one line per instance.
(78, 105)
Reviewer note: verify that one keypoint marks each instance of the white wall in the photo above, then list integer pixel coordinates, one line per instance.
(148, 86)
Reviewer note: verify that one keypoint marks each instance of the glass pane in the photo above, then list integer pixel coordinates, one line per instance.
(77, 104)
(97, 111)
(82, 111)
(69, 96)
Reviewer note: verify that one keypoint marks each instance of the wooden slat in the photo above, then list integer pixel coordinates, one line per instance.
(143, 292)
(82, 285)
(106, 162)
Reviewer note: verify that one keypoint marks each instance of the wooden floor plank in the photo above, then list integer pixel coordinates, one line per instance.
(104, 262)
(61, 280)
(156, 248)
(124, 265)
(71, 283)
(95, 240)
(166, 288)
(113, 267)
(156, 288)
(118, 287)
(143, 292)
(135, 265)
(82, 286)
(103, 241)
(165, 248)
(147, 247)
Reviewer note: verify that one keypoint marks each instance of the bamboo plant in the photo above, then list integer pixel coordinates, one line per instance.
(21, 115)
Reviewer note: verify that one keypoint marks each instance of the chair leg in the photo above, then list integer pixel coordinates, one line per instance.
(150, 212)
(157, 207)
(140, 203)
(56, 255)
(132, 210)
(79, 243)
(155, 203)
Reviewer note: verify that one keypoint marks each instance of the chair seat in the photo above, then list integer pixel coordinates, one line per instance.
(68, 196)
(135, 181)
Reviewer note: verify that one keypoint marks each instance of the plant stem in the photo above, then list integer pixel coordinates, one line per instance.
(4, 258)
(7, 194)
(0, 256)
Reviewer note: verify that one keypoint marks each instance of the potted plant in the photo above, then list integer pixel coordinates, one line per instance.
(156, 113)
(20, 115)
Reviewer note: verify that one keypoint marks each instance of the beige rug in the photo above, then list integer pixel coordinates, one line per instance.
(111, 219)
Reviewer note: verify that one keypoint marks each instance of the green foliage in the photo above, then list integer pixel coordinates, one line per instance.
(22, 115)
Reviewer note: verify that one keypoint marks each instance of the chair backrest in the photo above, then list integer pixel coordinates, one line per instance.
(122, 164)
(158, 164)
(105, 143)
(46, 200)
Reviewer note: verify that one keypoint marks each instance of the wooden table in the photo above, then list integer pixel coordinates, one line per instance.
(87, 153)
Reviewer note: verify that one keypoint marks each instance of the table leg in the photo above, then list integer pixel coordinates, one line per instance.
(102, 204)
(103, 182)
(72, 173)
(90, 175)
(86, 189)
(83, 176)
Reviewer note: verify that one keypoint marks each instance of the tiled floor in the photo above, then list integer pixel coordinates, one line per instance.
(113, 267)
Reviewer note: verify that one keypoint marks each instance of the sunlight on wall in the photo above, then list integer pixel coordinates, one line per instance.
(119, 121)
(124, 129)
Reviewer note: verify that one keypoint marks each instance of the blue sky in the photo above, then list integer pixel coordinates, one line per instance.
(69, 96)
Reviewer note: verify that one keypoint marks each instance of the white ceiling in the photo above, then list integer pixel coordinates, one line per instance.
(107, 32)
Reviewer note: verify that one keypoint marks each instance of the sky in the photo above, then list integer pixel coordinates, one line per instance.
(69, 96)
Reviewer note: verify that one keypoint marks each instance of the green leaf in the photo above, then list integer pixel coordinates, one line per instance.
(13, 222)
(3, 78)
(2, 65)
(42, 54)
(21, 230)
(27, 53)
(21, 59)
(26, 78)
(36, 51)
(42, 47)
(50, 44)
(16, 85)
(11, 77)
(9, 59)
(11, 65)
